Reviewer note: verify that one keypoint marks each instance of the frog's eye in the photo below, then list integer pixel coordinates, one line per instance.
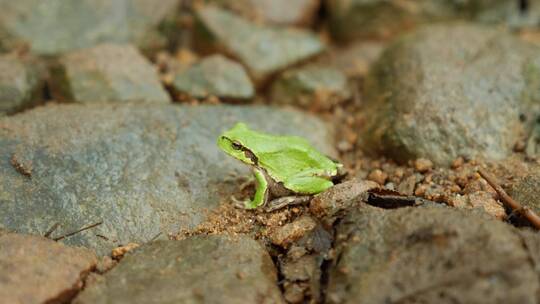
(235, 145)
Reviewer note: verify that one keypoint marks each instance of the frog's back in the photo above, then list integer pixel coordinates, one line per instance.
(290, 155)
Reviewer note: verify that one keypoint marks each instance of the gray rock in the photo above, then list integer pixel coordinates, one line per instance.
(526, 191)
(142, 169)
(313, 87)
(39, 270)
(210, 269)
(108, 72)
(433, 99)
(214, 76)
(430, 255)
(264, 50)
(355, 59)
(51, 27)
(21, 83)
(353, 19)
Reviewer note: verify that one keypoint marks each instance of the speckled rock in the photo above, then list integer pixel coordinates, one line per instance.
(51, 27)
(264, 50)
(527, 191)
(431, 255)
(353, 19)
(21, 83)
(39, 270)
(214, 76)
(142, 169)
(108, 72)
(430, 98)
(313, 87)
(210, 269)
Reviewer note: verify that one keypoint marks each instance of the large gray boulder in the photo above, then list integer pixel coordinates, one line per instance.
(141, 169)
(201, 269)
(107, 72)
(353, 19)
(451, 90)
(432, 255)
(51, 27)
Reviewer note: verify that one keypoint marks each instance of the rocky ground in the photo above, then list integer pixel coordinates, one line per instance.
(112, 188)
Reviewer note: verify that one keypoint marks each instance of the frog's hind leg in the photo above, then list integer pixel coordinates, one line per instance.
(308, 184)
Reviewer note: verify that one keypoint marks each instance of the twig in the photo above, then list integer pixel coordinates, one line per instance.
(78, 231)
(51, 230)
(526, 212)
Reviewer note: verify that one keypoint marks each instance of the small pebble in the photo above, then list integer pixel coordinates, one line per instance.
(423, 165)
(378, 176)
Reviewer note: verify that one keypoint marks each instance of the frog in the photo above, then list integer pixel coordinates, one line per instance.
(287, 169)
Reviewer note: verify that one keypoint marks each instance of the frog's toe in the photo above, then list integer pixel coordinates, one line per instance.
(242, 204)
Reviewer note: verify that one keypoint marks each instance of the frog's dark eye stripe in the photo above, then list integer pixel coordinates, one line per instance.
(235, 145)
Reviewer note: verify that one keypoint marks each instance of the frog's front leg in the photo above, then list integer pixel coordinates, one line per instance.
(261, 190)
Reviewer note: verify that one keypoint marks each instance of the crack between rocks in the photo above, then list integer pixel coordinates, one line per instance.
(67, 295)
(327, 263)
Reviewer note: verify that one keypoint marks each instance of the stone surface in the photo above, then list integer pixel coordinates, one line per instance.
(108, 72)
(214, 76)
(312, 87)
(526, 191)
(355, 59)
(21, 83)
(264, 50)
(142, 169)
(51, 27)
(481, 200)
(341, 197)
(39, 270)
(210, 269)
(287, 234)
(353, 19)
(431, 255)
(429, 98)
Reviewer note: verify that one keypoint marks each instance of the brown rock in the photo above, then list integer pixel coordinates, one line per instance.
(340, 197)
(407, 186)
(378, 176)
(39, 270)
(423, 165)
(284, 236)
(119, 252)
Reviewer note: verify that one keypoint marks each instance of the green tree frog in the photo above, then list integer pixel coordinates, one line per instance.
(287, 169)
